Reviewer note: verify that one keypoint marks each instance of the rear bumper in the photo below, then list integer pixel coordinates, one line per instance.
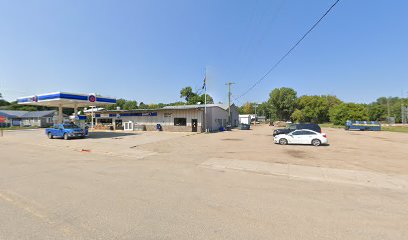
(324, 141)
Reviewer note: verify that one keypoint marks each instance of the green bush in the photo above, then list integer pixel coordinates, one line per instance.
(348, 111)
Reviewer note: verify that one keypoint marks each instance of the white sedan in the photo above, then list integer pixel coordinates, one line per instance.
(302, 136)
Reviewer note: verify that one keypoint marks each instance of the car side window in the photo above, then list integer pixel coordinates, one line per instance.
(308, 133)
(296, 133)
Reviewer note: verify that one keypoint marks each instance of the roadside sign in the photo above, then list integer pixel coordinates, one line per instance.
(2, 119)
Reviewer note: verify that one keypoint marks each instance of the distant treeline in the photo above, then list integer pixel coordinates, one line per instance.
(284, 104)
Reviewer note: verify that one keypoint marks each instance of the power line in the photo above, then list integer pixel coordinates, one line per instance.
(288, 52)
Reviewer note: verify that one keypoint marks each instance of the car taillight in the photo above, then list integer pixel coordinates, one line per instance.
(324, 135)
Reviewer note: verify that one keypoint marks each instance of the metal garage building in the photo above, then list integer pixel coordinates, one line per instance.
(184, 118)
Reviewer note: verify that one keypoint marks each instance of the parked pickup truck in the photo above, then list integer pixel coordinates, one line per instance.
(66, 131)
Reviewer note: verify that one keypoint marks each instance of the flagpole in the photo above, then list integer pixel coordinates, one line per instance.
(205, 100)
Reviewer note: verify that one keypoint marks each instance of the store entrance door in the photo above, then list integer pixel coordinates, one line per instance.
(128, 126)
(194, 124)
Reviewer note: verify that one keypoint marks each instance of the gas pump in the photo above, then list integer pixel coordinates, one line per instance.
(80, 120)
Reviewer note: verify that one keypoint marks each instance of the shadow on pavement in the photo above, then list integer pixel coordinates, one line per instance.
(110, 134)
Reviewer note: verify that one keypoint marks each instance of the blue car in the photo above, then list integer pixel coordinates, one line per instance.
(66, 131)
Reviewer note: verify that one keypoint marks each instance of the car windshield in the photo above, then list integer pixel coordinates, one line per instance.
(292, 127)
(70, 126)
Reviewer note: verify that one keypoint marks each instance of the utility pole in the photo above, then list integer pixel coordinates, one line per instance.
(255, 106)
(388, 109)
(205, 100)
(229, 101)
(402, 107)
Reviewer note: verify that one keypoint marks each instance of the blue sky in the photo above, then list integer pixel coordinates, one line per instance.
(149, 50)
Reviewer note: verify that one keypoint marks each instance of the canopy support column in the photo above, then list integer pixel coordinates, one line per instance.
(76, 120)
(60, 119)
(76, 111)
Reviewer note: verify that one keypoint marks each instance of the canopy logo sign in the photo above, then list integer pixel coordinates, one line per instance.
(33, 99)
(92, 98)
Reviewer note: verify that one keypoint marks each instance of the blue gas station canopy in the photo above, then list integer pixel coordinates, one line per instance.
(66, 100)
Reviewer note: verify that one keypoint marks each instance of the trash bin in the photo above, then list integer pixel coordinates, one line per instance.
(158, 127)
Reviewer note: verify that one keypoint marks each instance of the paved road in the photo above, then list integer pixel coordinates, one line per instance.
(151, 186)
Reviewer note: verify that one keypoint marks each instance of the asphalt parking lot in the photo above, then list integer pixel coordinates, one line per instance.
(229, 185)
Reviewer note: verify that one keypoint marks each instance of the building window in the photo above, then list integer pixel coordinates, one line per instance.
(180, 121)
(105, 121)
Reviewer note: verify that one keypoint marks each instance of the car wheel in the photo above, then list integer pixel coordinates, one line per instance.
(66, 136)
(50, 136)
(316, 142)
(283, 141)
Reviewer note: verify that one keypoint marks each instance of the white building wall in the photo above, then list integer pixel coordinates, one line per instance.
(34, 122)
(217, 118)
(166, 118)
(234, 116)
(245, 119)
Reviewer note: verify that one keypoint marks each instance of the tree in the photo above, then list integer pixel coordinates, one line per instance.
(130, 105)
(332, 100)
(119, 103)
(187, 93)
(283, 102)
(297, 116)
(377, 112)
(210, 100)
(247, 108)
(179, 103)
(315, 108)
(391, 103)
(4, 103)
(143, 106)
(348, 111)
(264, 109)
(193, 97)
